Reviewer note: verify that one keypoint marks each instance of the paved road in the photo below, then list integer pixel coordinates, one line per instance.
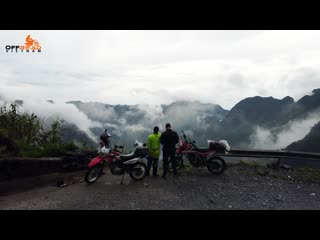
(239, 187)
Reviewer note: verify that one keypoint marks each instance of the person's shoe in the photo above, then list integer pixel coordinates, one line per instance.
(164, 177)
(177, 175)
(155, 175)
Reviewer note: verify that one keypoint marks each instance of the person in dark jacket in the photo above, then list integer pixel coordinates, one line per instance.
(169, 139)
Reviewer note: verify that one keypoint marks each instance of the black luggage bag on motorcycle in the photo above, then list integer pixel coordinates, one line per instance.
(141, 151)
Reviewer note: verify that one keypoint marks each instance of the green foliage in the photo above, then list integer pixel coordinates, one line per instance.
(49, 150)
(84, 144)
(70, 147)
(53, 150)
(17, 125)
(28, 133)
(251, 163)
(307, 174)
(54, 135)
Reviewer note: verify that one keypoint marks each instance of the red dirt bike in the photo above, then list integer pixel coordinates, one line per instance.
(184, 145)
(198, 157)
(118, 163)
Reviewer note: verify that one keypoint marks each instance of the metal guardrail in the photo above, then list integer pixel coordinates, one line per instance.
(280, 154)
(271, 154)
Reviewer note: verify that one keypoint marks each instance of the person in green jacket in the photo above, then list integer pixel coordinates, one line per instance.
(154, 151)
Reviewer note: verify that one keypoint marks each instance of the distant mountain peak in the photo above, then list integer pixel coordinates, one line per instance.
(310, 143)
(18, 102)
(310, 101)
(288, 99)
(257, 111)
(253, 102)
(316, 91)
(74, 102)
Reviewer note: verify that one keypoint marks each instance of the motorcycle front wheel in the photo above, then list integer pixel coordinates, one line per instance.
(138, 171)
(93, 173)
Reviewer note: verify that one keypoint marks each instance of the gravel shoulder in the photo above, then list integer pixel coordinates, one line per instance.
(240, 187)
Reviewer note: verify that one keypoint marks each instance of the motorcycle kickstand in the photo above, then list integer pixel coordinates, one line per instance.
(122, 179)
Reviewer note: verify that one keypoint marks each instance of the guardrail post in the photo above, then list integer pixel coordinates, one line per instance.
(278, 162)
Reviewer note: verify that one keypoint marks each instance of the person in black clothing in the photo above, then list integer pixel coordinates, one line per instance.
(105, 138)
(169, 139)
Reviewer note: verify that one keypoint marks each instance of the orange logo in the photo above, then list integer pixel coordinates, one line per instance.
(30, 45)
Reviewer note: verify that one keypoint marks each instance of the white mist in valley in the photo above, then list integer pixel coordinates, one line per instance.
(57, 111)
(296, 130)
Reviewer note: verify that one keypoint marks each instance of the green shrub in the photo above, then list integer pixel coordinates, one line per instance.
(70, 147)
(53, 150)
(28, 132)
(251, 163)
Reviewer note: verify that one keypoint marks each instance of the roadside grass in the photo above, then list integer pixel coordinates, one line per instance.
(302, 174)
(306, 174)
(48, 150)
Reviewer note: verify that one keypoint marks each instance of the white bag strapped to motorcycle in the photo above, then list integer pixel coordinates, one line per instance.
(222, 145)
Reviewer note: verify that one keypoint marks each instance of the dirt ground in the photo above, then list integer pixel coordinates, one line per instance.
(239, 187)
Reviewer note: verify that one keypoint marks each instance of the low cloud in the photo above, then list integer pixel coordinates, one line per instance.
(159, 67)
(263, 138)
(51, 111)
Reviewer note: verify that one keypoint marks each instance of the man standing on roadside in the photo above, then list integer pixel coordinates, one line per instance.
(169, 139)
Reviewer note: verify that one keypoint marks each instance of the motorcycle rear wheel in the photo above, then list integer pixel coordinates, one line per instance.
(216, 165)
(179, 164)
(138, 171)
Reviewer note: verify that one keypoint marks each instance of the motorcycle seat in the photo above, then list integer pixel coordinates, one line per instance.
(126, 157)
(202, 149)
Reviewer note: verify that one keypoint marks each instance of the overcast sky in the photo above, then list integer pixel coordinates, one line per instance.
(157, 67)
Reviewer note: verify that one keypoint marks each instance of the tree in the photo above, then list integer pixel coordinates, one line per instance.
(27, 131)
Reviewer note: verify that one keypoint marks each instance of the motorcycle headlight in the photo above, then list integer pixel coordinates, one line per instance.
(104, 151)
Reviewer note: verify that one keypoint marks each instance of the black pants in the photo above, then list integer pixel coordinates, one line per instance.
(154, 162)
(172, 155)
